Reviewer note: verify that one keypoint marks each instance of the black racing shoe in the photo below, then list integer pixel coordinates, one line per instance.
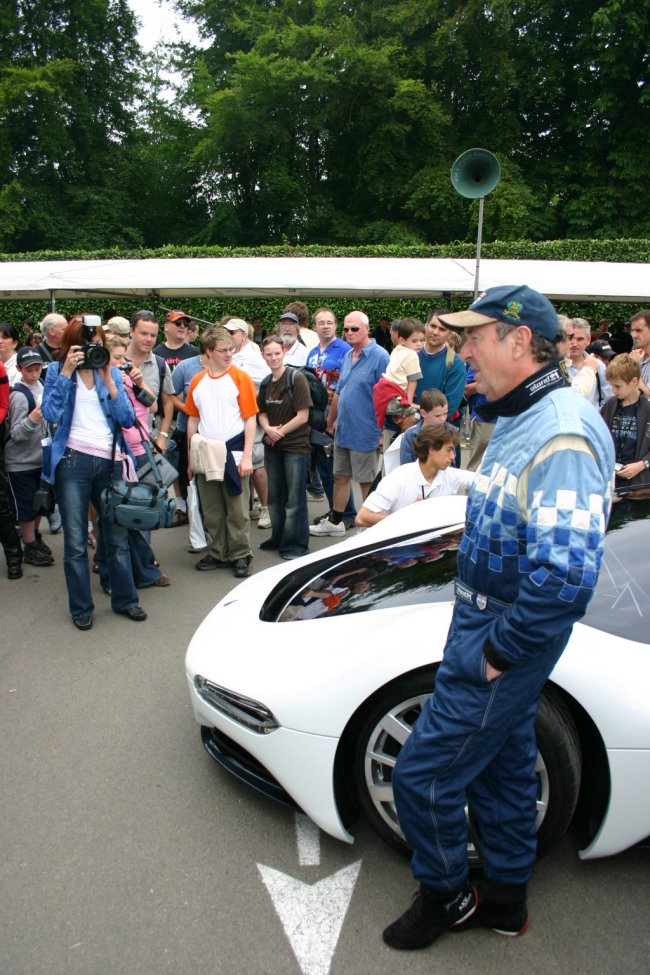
(509, 919)
(431, 914)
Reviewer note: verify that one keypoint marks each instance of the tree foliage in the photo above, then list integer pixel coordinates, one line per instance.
(329, 121)
(65, 92)
(91, 152)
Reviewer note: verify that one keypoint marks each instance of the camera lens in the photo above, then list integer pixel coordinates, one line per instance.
(96, 356)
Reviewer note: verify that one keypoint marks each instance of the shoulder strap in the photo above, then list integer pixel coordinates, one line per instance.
(290, 383)
(264, 385)
(449, 358)
(162, 369)
(600, 390)
(26, 391)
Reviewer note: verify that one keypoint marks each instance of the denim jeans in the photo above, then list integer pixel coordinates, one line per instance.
(80, 479)
(145, 571)
(287, 473)
(314, 482)
(325, 465)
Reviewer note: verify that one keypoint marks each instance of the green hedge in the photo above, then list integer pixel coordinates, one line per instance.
(636, 251)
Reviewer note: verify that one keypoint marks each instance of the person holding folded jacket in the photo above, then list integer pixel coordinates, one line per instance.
(221, 406)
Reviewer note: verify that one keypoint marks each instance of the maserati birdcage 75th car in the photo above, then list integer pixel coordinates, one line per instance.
(307, 678)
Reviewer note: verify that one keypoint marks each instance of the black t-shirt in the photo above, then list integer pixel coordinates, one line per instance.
(280, 408)
(173, 356)
(624, 433)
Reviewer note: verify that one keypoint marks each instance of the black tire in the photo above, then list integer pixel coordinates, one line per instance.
(559, 759)
(386, 723)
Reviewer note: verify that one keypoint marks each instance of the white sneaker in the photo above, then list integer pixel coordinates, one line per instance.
(255, 511)
(264, 520)
(327, 527)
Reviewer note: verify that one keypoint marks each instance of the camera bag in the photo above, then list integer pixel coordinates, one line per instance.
(135, 505)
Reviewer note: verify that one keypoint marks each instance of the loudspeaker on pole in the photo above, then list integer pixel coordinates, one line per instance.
(475, 173)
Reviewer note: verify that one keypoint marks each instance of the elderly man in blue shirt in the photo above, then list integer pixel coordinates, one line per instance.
(352, 420)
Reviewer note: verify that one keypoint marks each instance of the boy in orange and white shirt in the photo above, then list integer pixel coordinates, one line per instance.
(221, 406)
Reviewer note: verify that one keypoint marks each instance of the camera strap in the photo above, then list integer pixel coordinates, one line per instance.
(127, 461)
(147, 439)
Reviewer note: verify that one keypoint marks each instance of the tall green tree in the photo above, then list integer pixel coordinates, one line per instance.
(66, 92)
(590, 116)
(164, 185)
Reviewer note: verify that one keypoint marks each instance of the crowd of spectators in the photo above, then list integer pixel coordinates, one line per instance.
(230, 406)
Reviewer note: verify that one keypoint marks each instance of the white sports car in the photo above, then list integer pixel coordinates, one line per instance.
(307, 678)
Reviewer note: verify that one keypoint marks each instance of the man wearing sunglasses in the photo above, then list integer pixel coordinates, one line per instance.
(176, 348)
(352, 420)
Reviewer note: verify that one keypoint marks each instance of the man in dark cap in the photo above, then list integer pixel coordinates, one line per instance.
(527, 567)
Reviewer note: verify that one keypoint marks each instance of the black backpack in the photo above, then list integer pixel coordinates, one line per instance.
(319, 398)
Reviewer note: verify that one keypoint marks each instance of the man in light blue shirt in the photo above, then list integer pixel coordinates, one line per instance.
(325, 359)
(352, 420)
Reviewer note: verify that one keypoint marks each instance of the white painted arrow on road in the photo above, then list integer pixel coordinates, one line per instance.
(312, 914)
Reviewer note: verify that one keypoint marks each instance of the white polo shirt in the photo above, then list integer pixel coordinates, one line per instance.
(407, 484)
(296, 355)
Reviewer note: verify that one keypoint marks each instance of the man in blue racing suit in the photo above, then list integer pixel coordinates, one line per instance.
(527, 568)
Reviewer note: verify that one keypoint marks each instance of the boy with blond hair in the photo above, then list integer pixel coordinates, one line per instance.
(627, 415)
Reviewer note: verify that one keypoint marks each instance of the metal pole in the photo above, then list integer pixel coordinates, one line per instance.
(52, 301)
(478, 244)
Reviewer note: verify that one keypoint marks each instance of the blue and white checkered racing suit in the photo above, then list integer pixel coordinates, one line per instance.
(527, 568)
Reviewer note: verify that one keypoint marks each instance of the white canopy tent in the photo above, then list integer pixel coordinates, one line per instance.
(266, 277)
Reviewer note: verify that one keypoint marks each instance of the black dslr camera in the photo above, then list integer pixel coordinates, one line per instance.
(96, 356)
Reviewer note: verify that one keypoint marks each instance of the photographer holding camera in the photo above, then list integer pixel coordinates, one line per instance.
(86, 398)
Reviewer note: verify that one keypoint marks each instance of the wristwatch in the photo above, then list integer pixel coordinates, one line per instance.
(646, 463)
(162, 433)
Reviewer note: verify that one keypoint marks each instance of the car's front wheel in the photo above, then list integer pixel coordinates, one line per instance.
(387, 723)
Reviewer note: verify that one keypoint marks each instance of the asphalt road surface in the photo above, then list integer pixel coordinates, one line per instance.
(127, 851)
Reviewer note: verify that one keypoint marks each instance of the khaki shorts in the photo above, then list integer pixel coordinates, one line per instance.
(359, 465)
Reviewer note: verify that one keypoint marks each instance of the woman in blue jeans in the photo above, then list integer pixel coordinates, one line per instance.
(85, 404)
(284, 418)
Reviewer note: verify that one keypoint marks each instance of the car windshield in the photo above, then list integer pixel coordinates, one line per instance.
(621, 603)
(402, 572)
(421, 569)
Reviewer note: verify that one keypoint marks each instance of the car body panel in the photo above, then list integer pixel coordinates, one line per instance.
(314, 674)
(302, 763)
(626, 819)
